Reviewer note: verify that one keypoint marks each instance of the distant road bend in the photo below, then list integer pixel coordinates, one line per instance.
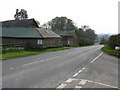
(50, 70)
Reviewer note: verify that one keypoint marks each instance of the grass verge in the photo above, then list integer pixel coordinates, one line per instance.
(111, 52)
(20, 53)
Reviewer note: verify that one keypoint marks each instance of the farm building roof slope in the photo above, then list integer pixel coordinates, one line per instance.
(20, 23)
(47, 33)
(18, 32)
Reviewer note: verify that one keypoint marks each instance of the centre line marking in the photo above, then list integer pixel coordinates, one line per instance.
(39, 61)
(78, 72)
(81, 70)
(96, 57)
(34, 62)
(75, 74)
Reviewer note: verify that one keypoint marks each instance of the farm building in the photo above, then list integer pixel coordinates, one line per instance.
(26, 33)
(69, 37)
(20, 23)
(29, 37)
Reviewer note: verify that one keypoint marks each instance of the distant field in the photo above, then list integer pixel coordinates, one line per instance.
(111, 52)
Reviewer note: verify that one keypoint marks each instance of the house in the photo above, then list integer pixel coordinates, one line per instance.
(29, 37)
(69, 37)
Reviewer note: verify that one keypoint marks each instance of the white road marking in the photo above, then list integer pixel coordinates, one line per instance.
(75, 74)
(30, 63)
(62, 85)
(34, 62)
(81, 70)
(103, 84)
(78, 86)
(70, 80)
(96, 57)
(100, 83)
(82, 82)
(11, 68)
(78, 72)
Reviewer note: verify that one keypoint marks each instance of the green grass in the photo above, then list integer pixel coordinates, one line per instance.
(20, 53)
(111, 52)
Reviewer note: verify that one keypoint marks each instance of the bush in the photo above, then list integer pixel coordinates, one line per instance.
(107, 49)
(114, 41)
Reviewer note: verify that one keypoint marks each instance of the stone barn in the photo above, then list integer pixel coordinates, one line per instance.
(26, 33)
(69, 37)
(27, 36)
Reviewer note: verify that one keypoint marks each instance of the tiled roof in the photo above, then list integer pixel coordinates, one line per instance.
(47, 33)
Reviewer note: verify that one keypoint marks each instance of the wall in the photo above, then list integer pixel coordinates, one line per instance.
(48, 42)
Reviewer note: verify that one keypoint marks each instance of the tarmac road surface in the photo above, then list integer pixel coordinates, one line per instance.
(84, 67)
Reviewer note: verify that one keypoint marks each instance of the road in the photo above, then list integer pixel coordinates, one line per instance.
(88, 65)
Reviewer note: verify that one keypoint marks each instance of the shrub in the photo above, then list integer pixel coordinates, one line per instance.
(114, 41)
(107, 49)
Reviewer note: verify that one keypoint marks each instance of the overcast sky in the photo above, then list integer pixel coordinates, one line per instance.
(100, 15)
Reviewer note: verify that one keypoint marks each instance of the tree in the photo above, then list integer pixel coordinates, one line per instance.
(86, 36)
(90, 34)
(85, 41)
(21, 15)
(61, 23)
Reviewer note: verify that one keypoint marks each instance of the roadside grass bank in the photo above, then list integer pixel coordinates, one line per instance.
(15, 53)
(21, 52)
(111, 52)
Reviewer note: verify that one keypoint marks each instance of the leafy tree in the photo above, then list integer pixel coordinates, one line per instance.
(90, 34)
(61, 23)
(81, 33)
(85, 41)
(86, 36)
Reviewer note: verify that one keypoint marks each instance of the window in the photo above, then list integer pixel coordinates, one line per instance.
(39, 41)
